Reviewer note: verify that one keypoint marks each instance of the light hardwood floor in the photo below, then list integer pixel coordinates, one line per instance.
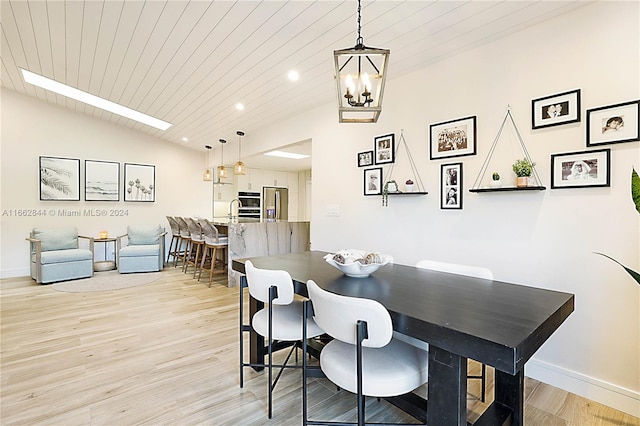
(166, 353)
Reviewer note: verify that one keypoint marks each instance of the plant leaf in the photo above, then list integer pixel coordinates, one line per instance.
(634, 274)
(635, 188)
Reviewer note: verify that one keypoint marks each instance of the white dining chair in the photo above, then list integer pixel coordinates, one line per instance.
(363, 357)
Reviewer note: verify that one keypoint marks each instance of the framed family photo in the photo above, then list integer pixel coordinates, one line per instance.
(59, 179)
(373, 181)
(555, 110)
(139, 182)
(613, 124)
(454, 138)
(101, 180)
(384, 148)
(451, 186)
(365, 158)
(580, 169)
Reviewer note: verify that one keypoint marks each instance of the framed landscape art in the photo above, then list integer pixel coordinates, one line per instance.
(101, 180)
(454, 138)
(580, 169)
(555, 110)
(613, 124)
(139, 182)
(59, 179)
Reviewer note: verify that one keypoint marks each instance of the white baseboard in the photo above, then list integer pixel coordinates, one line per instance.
(606, 393)
(13, 273)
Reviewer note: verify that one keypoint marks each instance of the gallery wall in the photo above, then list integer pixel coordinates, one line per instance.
(537, 238)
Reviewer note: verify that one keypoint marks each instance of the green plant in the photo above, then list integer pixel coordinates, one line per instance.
(495, 176)
(385, 192)
(523, 167)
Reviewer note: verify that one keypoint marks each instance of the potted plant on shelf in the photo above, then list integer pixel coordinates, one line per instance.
(523, 168)
(389, 186)
(409, 186)
(495, 180)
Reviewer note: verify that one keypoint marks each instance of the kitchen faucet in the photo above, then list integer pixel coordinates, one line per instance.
(231, 216)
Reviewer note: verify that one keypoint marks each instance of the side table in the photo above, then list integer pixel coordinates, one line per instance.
(105, 265)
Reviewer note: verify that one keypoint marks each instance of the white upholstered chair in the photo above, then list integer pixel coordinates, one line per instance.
(363, 356)
(281, 320)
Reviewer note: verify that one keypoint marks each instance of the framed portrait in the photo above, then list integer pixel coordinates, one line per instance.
(613, 124)
(365, 158)
(59, 179)
(373, 181)
(384, 148)
(580, 169)
(139, 182)
(454, 138)
(555, 110)
(451, 186)
(101, 180)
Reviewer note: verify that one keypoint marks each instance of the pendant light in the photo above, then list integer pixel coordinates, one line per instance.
(222, 171)
(360, 74)
(239, 168)
(207, 175)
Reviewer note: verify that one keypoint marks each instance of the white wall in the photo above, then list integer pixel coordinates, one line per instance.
(543, 239)
(31, 128)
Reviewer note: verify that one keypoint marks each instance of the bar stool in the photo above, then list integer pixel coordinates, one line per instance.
(185, 240)
(197, 243)
(214, 242)
(174, 245)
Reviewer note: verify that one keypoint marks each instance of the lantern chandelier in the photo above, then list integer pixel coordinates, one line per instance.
(360, 74)
(239, 168)
(222, 171)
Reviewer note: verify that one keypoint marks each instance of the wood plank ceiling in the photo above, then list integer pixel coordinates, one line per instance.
(190, 62)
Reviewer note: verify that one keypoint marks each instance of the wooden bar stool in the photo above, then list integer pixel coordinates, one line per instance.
(215, 243)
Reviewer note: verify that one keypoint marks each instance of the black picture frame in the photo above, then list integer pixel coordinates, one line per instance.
(101, 180)
(372, 181)
(453, 138)
(451, 186)
(59, 179)
(384, 148)
(611, 124)
(365, 158)
(582, 169)
(556, 110)
(139, 182)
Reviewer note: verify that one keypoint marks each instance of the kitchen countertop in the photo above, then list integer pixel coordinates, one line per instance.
(224, 221)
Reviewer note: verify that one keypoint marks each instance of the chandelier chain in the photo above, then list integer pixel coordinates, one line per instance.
(359, 41)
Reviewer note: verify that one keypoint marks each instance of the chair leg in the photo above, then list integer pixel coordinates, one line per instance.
(186, 255)
(195, 260)
(213, 264)
(204, 258)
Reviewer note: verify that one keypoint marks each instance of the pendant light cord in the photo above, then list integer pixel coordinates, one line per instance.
(359, 41)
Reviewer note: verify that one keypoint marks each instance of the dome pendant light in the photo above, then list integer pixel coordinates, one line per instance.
(360, 74)
(207, 175)
(239, 168)
(222, 171)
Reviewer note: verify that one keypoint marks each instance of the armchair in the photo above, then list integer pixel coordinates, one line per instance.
(56, 255)
(143, 251)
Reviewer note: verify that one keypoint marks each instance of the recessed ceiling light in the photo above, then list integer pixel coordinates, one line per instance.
(87, 98)
(293, 75)
(285, 154)
(239, 106)
(185, 139)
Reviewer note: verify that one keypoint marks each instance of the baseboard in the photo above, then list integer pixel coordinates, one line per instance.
(13, 273)
(606, 393)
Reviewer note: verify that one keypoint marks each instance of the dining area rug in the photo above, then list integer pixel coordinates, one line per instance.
(107, 281)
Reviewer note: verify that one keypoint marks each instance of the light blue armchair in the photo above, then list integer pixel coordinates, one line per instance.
(144, 251)
(56, 255)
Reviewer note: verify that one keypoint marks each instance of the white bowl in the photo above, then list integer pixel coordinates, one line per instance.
(352, 267)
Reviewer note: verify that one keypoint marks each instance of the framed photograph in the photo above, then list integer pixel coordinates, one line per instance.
(59, 179)
(373, 181)
(613, 124)
(580, 169)
(384, 148)
(365, 158)
(101, 180)
(139, 182)
(451, 186)
(454, 138)
(555, 110)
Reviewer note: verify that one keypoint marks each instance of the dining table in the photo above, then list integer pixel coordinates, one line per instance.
(497, 323)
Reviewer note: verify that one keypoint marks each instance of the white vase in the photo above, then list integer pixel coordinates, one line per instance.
(409, 187)
(496, 183)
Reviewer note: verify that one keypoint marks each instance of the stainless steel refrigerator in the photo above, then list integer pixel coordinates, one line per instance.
(275, 203)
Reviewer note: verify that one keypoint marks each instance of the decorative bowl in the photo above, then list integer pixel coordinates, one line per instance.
(354, 262)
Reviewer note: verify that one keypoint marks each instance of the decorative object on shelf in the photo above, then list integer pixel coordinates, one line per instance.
(495, 180)
(239, 168)
(409, 186)
(533, 181)
(451, 186)
(357, 263)
(139, 182)
(414, 170)
(523, 168)
(103, 234)
(101, 180)
(207, 175)
(360, 74)
(453, 138)
(365, 158)
(583, 169)
(554, 110)
(613, 124)
(390, 186)
(384, 148)
(373, 181)
(222, 171)
(59, 179)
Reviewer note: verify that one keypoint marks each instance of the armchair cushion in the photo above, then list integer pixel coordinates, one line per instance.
(144, 235)
(140, 250)
(61, 256)
(57, 239)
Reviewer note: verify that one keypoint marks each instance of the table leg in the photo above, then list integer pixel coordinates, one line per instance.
(447, 388)
(509, 392)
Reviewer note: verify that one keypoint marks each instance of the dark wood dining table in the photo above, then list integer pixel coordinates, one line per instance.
(497, 323)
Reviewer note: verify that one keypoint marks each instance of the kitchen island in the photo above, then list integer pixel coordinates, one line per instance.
(256, 237)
